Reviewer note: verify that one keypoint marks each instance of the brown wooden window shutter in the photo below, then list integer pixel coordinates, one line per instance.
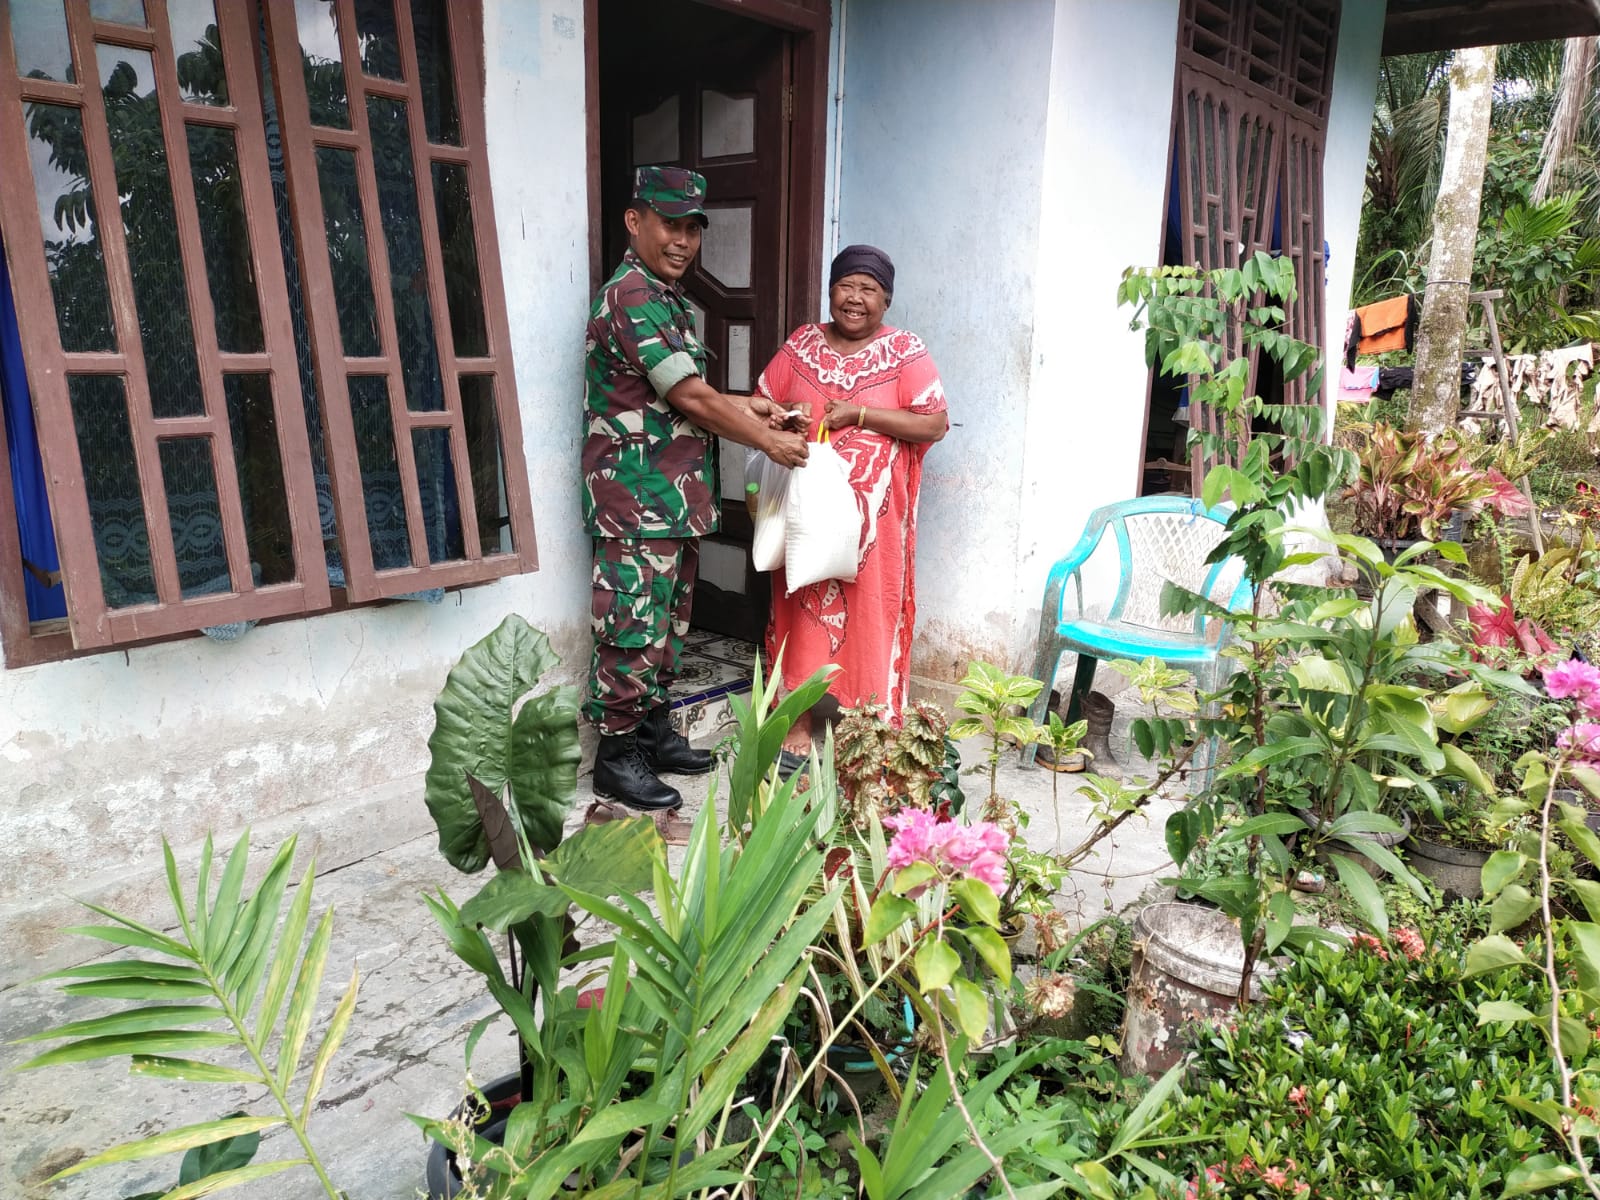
(190, 483)
(1254, 82)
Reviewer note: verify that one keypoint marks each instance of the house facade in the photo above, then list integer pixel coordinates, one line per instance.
(307, 425)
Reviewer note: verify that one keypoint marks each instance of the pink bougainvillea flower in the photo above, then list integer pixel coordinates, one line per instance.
(1583, 739)
(913, 839)
(1572, 679)
(979, 851)
(975, 851)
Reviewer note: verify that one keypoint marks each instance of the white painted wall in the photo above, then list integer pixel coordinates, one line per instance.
(944, 123)
(1105, 183)
(1355, 87)
(100, 756)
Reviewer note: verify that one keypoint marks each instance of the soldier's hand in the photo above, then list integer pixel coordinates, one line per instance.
(786, 449)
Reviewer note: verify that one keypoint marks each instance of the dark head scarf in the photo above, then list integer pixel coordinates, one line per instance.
(863, 260)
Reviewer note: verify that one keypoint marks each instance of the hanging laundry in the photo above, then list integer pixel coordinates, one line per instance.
(1394, 379)
(1357, 386)
(1387, 325)
(1552, 380)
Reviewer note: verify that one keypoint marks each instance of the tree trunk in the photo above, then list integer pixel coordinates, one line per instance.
(1436, 390)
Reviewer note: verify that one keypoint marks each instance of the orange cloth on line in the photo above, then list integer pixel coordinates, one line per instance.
(865, 626)
(1383, 325)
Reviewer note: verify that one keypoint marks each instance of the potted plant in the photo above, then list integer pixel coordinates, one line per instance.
(882, 766)
(1409, 487)
(1325, 706)
(629, 1080)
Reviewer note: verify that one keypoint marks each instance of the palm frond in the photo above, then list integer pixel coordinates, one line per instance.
(221, 952)
(1574, 96)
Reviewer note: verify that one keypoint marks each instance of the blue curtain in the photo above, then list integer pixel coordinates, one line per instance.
(27, 471)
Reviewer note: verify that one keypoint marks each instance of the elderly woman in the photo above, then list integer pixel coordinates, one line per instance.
(877, 390)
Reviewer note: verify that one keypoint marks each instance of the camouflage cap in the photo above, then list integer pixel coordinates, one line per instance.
(672, 191)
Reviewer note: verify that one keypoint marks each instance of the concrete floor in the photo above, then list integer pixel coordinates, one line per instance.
(404, 1049)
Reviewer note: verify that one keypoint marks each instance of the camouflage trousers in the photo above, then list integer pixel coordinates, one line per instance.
(642, 590)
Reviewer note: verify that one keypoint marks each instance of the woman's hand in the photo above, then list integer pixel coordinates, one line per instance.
(841, 414)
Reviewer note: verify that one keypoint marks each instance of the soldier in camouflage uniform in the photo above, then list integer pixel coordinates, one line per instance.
(650, 487)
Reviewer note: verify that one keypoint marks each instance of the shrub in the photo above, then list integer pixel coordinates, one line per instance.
(1364, 1072)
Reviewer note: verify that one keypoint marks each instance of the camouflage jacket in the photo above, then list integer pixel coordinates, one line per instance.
(647, 469)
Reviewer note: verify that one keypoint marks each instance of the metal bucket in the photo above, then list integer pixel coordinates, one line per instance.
(1187, 960)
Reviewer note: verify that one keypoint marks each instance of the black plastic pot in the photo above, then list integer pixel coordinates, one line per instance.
(1349, 846)
(1457, 871)
(444, 1180)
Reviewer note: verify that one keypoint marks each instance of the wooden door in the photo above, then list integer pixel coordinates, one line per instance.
(720, 111)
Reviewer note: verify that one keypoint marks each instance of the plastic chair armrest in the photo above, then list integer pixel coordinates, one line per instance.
(1071, 565)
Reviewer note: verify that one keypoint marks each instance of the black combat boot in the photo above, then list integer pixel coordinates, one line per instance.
(669, 751)
(623, 773)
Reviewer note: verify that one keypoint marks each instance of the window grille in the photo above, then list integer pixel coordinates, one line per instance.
(277, 363)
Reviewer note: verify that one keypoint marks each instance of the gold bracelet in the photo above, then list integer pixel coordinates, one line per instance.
(861, 417)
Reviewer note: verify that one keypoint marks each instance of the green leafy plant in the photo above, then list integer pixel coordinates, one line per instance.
(1064, 741)
(1366, 1071)
(1558, 590)
(221, 983)
(930, 1150)
(1321, 709)
(520, 747)
(1033, 879)
(996, 707)
(1560, 965)
(1333, 736)
(694, 988)
(881, 767)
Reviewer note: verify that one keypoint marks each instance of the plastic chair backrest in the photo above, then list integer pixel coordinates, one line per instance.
(1163, 539)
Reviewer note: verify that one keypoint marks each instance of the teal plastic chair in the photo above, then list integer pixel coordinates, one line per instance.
(1158, 539)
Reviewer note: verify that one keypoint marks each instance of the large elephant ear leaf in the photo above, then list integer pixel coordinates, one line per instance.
(543, 764)
(473, 733)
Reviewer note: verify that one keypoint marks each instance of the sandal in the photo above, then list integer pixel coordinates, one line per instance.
(602, 811)
(673, 828)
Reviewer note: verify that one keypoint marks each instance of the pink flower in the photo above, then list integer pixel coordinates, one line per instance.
(1583, 739)
(1410, 943)
(913, 839)
(1578, 680)
(1297, 1097)
(1273, 1177)
(976, 851)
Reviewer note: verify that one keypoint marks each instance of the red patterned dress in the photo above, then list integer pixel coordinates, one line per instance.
(864, 627)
